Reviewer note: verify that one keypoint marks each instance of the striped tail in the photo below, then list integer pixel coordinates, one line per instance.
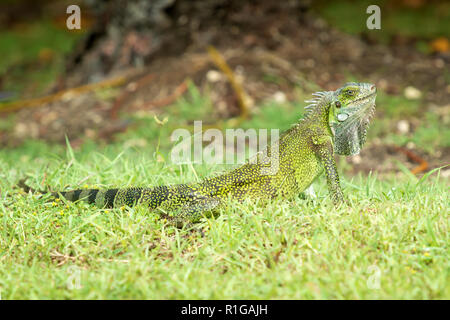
(176, 196)
(186, 198)
(110, 198)
(101, 198)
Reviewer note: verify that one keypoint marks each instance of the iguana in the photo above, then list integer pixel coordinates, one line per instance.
(335, 122)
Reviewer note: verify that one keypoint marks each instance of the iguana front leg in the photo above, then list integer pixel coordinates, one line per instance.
(323, 148)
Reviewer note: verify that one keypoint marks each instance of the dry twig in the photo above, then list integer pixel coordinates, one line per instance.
(239, 90)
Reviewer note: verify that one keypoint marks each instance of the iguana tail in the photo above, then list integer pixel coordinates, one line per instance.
(110, 198)
(180, 202)
(113, 198)
(101, 198)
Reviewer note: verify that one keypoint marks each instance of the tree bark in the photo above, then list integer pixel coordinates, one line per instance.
(131, 33)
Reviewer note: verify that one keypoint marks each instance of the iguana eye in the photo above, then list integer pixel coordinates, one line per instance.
(350, 92)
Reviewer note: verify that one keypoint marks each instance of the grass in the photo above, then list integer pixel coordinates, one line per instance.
(391, 242)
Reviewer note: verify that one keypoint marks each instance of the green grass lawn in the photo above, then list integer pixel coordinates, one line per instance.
(391, 241)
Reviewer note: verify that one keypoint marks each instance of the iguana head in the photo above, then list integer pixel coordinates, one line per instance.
(352, 107)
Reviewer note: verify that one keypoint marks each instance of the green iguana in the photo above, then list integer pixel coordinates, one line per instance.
(335, 122)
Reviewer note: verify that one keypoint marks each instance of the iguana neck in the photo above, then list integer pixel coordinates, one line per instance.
(319, 111)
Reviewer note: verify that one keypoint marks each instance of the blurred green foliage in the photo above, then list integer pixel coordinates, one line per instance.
(426, 22)
(33, 55)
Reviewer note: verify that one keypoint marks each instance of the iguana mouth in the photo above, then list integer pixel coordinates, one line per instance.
(366, 97)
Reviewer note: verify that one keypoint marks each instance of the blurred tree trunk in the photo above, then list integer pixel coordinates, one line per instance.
(131, 33)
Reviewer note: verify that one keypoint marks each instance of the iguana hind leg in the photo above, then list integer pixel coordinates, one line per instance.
(189, 212)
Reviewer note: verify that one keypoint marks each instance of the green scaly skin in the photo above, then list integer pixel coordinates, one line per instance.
(336, 122)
